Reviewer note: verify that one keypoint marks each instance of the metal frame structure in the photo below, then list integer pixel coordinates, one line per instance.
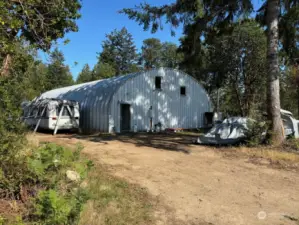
(43, 104)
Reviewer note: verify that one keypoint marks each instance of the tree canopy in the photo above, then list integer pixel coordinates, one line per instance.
(85, 75)
(35, 21)
(151, 53)
(155, 54)
(58, 74)
(39, 22)
(207, 19)
(119, 51)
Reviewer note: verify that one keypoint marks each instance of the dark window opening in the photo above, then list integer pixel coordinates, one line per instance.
(65, 111)
(41, 110)
(158, 82)
(183, 90)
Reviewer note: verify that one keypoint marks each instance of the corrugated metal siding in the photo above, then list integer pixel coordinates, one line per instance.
(94, 98)
(100, 101)
(168, 106)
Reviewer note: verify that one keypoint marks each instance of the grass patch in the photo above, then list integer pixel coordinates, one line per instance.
(192, 132)
(113, 201)
(48, 197)
(273, 154)
(277, 157)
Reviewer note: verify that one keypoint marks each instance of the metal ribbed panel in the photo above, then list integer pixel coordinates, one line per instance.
(168, 106)
(100, 101)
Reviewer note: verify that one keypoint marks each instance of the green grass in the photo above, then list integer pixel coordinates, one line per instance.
(113, 201)
(193, 132)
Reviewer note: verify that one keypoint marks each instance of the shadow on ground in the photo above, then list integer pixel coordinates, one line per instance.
(163, 141)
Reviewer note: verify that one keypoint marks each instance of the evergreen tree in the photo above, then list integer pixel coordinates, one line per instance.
(119, 51)
(156, 54)
(211, 18)
(85, 75)
(35, 80)
(240, 58)
(170, 57)
(58, 74)
(151, 53)
(102, 71)
(38, 22)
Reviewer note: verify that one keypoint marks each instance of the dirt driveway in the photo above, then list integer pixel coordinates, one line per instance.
(197, 185)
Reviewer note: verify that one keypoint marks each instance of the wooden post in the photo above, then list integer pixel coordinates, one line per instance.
(37, 125)
(57, 123)
(72, 115)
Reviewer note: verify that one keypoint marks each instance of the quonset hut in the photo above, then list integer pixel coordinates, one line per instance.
(138, 101)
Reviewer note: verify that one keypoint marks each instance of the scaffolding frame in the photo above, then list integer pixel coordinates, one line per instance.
(43, 104)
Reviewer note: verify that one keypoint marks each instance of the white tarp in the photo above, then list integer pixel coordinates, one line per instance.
(291, 125)
(231, 131)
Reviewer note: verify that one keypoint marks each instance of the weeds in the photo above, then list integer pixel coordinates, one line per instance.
(115, 202)
(291, 144)
(49, 197)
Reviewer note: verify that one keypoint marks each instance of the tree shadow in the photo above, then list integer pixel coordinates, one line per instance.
(162, 141)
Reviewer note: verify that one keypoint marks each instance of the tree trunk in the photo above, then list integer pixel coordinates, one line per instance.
(5, 66)
(276, 134)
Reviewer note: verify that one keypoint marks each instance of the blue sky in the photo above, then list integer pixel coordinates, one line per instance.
(100, 18)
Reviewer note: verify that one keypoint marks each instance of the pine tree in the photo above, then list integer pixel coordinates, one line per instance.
(38, 22)
(102, 71)
(156, 54)
(58, 74)
(151, 53)
(210, 18)
(85, 75)
(119, 51)
(170, 57)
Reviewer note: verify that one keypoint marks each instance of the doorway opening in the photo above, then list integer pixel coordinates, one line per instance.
(125, 119)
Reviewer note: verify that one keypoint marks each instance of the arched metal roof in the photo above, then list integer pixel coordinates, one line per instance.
(95, 97)
(109, 86)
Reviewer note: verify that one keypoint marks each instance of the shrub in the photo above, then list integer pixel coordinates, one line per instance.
(52, 208)
(256, 133)
(63, 201)
(12, 140)
(54, 199)
(291, 144)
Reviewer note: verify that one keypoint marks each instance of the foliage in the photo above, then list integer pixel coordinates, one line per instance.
(288, 29)
(58, 74)
(156, 54)
(85, 75)
(239, 61)
(114, 201)
(39, 22)
(292, 144)
(119, 51)
(204, 15)
(26, 170)
(290, 89)
(52, 208)
(11, 137)
(256, 133)
(58, 201)
(35, 79)
(103, 71)
(170, 57)
(205, 19)
(151, 53)
(63, 200)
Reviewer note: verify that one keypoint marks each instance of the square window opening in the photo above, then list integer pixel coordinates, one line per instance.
(158, 82)
(183, 90)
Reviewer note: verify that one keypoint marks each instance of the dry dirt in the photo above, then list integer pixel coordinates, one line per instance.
(196, 184)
